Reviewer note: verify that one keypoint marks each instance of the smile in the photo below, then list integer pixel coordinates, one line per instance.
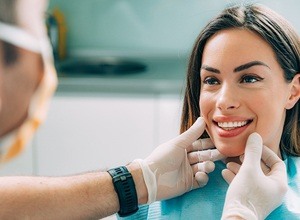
(232, 124)
(232, 128)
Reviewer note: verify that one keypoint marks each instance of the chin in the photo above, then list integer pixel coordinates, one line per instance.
(230, 150)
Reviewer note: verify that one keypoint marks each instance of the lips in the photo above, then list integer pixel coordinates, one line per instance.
(230, 127)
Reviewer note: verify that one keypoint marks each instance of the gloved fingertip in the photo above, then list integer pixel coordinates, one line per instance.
(210, 166)
(253, 149)
(227, 175)
(242, 157)
(202, 178)
(223, 172)
(206, 167)
(200, 118)
(193, 133)
(254, 137)
(200, 121)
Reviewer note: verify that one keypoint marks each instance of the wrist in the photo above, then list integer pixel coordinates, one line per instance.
(125, 188)
(137, 175)
(238, 214)
(236, 210)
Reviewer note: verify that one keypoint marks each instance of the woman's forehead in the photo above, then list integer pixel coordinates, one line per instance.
(237, 46)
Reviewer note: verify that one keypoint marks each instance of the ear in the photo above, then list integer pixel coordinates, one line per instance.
(294, 92)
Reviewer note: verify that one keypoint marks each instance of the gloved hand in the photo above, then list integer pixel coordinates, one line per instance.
(167, 171)
(253, 194)
(202, 154)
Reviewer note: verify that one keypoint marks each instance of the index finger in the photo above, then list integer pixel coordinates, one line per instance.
(186, 139)
(212, 155)
(201, 144)
(206, 155)
(253, 150)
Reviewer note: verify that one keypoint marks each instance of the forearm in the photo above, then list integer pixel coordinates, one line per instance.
(77, 197)
(86, 196)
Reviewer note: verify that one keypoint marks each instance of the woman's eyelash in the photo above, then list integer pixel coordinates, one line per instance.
(250, 78)
(210, 80)
(244, 79)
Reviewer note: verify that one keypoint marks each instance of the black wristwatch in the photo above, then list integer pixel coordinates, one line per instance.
(125, 188)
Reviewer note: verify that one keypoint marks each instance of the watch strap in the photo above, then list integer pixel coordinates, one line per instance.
(125, 189)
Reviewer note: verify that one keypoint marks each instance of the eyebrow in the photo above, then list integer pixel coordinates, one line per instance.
(237, 69)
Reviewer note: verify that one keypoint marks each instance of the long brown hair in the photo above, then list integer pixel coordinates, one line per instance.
(280, 35)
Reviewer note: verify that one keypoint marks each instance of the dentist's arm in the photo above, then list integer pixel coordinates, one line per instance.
(252, 194)
(164, 174)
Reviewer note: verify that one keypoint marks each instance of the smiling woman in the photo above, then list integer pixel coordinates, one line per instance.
(246, 57)
(243, 77)
(237, 100)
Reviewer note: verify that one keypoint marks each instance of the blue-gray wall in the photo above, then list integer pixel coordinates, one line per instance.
(150, 26)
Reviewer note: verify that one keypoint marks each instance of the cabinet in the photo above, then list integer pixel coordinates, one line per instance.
(169, 115)
(92, 132)
(85, 132)
(88, 132)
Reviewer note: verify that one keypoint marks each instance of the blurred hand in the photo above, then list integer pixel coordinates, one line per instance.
(253, 194)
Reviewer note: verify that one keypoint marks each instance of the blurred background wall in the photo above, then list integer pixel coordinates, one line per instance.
(150, 27)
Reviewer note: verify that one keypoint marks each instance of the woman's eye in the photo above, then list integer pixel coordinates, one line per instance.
(250, 79)
(210, 81)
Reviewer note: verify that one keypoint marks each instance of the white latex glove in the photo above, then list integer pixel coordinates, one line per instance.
(167, 171)
(202, 154)
(253, 194)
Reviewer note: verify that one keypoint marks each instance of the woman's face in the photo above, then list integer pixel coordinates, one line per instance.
(243, 90)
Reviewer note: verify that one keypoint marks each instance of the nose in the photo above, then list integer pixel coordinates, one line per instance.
(227, 98)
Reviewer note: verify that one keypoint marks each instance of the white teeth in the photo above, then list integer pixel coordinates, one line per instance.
(231, 125)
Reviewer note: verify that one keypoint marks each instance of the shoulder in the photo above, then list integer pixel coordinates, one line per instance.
(293, 167)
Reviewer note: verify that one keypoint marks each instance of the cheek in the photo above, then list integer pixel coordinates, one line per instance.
(205, 105)
(270, 125)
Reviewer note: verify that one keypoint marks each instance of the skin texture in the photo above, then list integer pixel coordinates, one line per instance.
(233, 92)
(86, 196)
